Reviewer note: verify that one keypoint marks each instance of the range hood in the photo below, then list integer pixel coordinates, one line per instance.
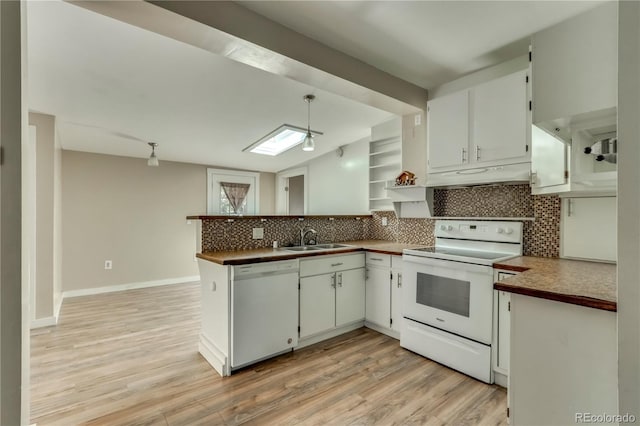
(411, 201)
(507, 174)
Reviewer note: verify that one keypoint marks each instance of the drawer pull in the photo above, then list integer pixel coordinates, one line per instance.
(376, 258)
(336, 264)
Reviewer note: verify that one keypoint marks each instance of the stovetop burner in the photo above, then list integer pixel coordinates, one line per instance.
(471, 241)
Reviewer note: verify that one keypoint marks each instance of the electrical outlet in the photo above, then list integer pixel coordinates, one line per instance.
(385, 221)
(108, 264)
(417, 119)
(258, 233)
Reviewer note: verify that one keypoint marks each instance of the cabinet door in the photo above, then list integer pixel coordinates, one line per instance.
(504, 330)
(317, 304)
(575, 65)
(350, 296)
(396, 299)
(378, 296)
(589, 228)
(548, 159)
(500, 119)
(448, 131)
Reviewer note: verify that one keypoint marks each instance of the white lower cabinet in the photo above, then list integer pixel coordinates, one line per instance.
(378, 296)
(317, 304)
(564, 363)
(332, 293)
(383, 284)
(501, 330)
(349, 296)
(396, 293)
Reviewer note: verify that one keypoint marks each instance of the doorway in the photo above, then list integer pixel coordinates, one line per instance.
(292, 190)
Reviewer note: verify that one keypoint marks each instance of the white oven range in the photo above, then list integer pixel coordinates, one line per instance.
(447, 300)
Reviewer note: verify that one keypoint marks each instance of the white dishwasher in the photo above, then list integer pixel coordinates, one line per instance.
(264, 311)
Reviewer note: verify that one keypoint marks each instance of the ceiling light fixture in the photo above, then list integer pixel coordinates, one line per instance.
(153, 160)
(308, 144)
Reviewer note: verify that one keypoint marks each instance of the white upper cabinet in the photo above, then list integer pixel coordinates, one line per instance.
(574, 86)
(448, 124)
(500, 118)
(480, 135)
(575, 65)
(549, 167)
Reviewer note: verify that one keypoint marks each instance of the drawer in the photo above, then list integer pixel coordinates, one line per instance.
(396, 262)
(377, 259)
(327, 264)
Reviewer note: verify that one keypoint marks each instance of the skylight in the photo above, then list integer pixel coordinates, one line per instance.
(280, 140)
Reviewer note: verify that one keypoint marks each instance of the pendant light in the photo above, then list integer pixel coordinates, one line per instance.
(153, 160)
(308, 144)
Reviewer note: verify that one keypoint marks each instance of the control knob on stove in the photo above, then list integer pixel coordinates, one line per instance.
(508, 231)
(446, 227)
(500, 230)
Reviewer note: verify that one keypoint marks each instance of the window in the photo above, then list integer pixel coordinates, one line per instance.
(241, 195)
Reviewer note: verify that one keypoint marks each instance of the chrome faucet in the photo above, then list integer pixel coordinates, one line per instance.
(307, 230)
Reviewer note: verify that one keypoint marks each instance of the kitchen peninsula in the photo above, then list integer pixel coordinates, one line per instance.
(563, 339)
(260, 302)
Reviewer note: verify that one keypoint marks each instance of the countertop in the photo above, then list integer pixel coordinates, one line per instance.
(591, 284)
(243, 257)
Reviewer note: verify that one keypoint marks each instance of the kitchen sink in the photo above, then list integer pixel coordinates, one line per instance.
(302, 248)
(315, 247)
(331, 246)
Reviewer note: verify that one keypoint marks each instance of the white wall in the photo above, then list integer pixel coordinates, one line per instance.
(478, 77)
(338, 185)
(119, 209)
(629, 208)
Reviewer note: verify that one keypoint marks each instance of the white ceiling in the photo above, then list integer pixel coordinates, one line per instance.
(425, 42)
(103, 78)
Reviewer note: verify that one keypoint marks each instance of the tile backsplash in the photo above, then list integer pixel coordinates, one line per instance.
(541, 230)
(236, 234)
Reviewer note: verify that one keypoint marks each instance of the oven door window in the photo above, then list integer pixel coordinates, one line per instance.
(446, 294)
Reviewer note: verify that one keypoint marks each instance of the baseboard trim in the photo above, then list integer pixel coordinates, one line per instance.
(128, 286)
(384, 330)
(56, 310)
(213, 355)
(44, 322)
(308, 341)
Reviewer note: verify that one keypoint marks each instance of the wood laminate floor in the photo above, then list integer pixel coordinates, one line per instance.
(131, 358)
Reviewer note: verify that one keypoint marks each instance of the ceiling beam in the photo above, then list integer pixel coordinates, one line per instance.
(228, 29)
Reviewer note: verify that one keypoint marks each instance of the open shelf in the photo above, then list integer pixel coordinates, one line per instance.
(385, 162)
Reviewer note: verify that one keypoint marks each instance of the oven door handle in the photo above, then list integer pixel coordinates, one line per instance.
(418, 261)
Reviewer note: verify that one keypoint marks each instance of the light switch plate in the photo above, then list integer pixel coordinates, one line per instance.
(417, 119)
(258, 233)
